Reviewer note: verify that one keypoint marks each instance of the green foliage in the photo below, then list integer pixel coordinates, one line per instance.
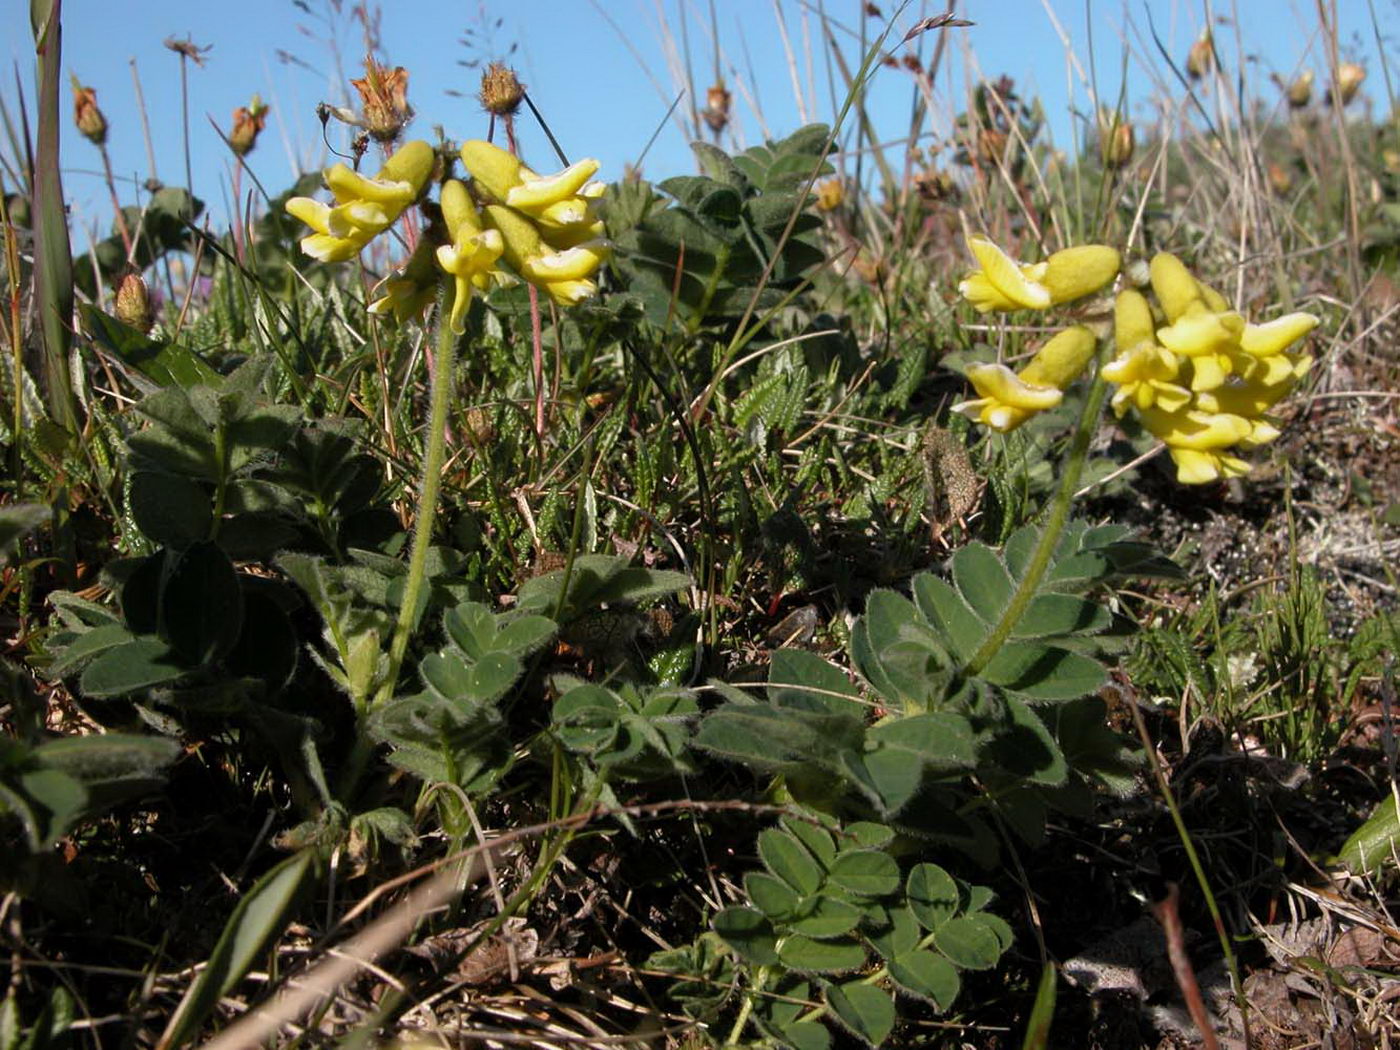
(255, 923)
(631, 732)
(827, 901)
(1372, 847)
(452, 732)
(700, 257)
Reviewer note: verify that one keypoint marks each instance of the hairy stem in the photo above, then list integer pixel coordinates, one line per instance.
(434, 455)
(1050, 535)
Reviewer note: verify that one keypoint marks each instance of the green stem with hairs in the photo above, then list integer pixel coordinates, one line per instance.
(1054, 526)
(434, 455)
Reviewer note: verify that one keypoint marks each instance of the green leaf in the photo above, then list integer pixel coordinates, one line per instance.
(806, 1035)
(48, 802)
(17, 520)
(941, 740)
(898, 935)
(1056, 615)
(88, 645)
(775, 898)
(888, 776)
(804, 680)
(164, 363)
(749, 933)
(171, 510)
(867, 873)
(1373, 846)
(815, 837)
(789, 860)
(932, 894)
(866, 834)
(131, 667)
(950, 614)
(1025, 748)
(927, 976)
(982, 580)
(968, 943)
(255, 923)
(1042, 672)
(1042, 1012)
(808, 955)
(201, 603)
(823, 917)
(863, 1010)
(111, 766)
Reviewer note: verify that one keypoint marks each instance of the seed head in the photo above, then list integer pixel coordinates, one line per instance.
(716, 112)
(384, 98)
(501, 90)
(133, 307)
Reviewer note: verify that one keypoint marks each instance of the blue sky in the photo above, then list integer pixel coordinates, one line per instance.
(604, 72)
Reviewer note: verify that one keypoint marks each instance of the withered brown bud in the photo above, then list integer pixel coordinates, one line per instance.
(501, 90)
(1300, 91)
(133, 306)
(384, 99)
(1200, 60)
(1280, 181)
(86, 115)
(248, 122)
(716, 112)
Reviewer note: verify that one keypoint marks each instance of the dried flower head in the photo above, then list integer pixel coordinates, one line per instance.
(384, 99)
(501, 90)
(86, 115)
(716, 112)
(1116, 139)
(248, 122)
(133, 305)
(830, 193)
(1200, 60)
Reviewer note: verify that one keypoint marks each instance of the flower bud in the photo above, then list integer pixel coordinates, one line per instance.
(1300, 91)
(501, 90)
(1116, 140)
(716, 112)
(86, 115)
(133, 306)
(1349, 78)
(248, 122)
(1200, 60)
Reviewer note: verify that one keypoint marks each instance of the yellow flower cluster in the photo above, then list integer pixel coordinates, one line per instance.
(1199, 376)
(546, 228)
(364, 207)
(1203, 382)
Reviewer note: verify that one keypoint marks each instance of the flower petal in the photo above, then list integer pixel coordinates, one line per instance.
(1060, 361)
(494, 169)
(1176, 289)
(1076, 272)
(1132, 321)
(1007, 277)
(1265, 340)
(535, 193)
(999, 383)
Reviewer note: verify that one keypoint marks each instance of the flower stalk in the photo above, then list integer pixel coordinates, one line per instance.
(434, 455)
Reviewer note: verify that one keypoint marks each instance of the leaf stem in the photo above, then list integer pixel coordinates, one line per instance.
(1054, 526)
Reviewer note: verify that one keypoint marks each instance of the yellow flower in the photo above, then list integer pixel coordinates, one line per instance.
(1007, 399)
(1143, 370)
(1197, 442)
(407, 293)
(364, 207)
(1004, 284)
(1200, 326)
(472, 256)
(549, 225)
